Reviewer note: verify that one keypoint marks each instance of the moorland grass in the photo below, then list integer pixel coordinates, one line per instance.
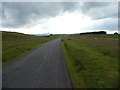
(92, 61)
(16, 44)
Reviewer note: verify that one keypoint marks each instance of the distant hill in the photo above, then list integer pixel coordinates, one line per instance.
(44, 34)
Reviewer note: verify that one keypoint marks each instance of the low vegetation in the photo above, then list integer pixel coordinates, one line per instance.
(92, 60)
(16, 44)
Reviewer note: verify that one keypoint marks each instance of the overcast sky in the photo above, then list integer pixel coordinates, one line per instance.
(59, 17)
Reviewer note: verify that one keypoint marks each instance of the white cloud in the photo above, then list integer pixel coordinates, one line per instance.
(65, 23)
(59, 17)
(68, 23)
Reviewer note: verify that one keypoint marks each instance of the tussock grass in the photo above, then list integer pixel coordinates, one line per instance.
(16, 44)
(92, 61)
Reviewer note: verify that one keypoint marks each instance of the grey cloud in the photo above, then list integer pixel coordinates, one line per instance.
(0, 13)
(26, 14)
(88, 5)
(19, 14)
(99, 10)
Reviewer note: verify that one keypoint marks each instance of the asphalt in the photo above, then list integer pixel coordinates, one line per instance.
(43, 67)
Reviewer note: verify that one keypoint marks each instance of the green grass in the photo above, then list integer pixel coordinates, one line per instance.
(16, 44)
(92, 60)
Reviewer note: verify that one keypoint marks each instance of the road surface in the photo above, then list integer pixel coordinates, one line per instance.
(43, 67)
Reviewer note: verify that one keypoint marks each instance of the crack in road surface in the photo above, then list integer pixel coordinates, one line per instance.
(43, 67)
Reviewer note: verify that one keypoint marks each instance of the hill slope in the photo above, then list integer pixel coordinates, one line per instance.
(16, 44)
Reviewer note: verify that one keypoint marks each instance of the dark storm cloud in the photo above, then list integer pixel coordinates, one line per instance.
(19, 14)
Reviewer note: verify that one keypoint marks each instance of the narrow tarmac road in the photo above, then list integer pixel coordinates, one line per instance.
(44, 67)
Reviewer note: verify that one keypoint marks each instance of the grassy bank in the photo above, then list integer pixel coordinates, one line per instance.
(92, 60)
(16, 44)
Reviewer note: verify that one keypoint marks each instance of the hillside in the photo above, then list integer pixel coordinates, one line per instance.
(16, 44)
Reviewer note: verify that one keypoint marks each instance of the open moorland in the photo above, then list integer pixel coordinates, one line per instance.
(92, 60)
